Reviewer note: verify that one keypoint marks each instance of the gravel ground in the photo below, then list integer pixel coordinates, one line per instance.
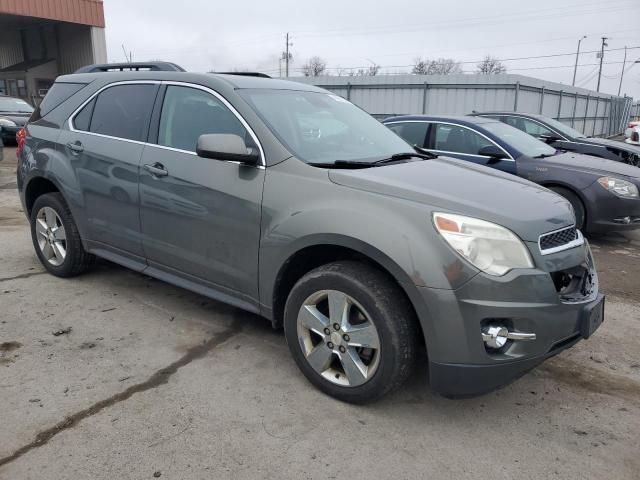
(116, 375)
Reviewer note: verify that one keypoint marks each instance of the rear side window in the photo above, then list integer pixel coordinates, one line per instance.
(122, 111)
(188, 113)
(83, 119)
(57, 94)
(415, 133)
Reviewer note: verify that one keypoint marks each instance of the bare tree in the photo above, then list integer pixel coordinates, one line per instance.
(490, 66)
(440, 66)
(314, 67)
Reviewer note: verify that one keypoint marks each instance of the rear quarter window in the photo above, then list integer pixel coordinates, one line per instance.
(57, 94)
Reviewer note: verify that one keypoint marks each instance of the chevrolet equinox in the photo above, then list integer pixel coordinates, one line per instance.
(288, 201)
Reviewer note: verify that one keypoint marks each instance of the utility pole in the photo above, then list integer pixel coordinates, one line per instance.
(575, 69)
(622, 73)
(286, 56)
(604, 44)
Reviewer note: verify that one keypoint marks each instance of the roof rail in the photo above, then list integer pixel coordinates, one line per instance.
(134, 66)
(244, 74)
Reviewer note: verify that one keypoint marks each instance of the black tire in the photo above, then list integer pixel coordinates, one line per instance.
(576, 203)
(77, 260)
(390, 312)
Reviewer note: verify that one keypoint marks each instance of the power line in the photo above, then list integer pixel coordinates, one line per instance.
(425, 26)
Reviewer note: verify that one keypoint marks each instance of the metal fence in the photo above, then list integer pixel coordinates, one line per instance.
(635, 111)
(595, 114)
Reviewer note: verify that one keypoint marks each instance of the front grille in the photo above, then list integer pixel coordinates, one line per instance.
(558, 239)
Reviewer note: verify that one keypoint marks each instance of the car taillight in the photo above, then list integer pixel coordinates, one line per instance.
(21, 138)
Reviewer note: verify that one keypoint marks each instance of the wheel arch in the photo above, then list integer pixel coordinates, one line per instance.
(36, 187)
(559, 184)
(320, 251)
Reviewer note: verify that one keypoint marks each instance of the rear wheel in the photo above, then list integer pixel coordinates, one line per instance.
(56, 238)
(351, 331)
(576, 203)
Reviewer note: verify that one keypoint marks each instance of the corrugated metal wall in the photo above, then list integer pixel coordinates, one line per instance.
(75, 47)
(10, 47)
(386, 95)
(86, 12)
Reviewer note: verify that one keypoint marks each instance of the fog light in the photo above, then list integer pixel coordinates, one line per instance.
(496, 336)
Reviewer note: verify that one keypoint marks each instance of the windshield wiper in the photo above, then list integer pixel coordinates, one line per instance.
(398, 157)
(344, 164)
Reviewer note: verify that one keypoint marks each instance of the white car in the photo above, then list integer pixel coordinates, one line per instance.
(632, 133)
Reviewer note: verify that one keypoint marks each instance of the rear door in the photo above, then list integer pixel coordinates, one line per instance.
(200, 217)
(462, 142)
(104, 144)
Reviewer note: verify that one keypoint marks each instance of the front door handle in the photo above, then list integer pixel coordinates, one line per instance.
(157, 169)
(75, 147)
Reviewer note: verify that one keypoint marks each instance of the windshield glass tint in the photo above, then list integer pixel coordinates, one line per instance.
(525, 143)
(8, 104)
(564, 129)
(322, 128)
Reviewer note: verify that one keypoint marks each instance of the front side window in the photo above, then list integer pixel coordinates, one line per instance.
(454, 138)
(415, 133)
(123, 111)
(565, 130)
(188, 113)
(528, 126)
(320, 128)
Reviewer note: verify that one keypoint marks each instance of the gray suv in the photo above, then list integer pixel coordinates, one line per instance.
(290, 202)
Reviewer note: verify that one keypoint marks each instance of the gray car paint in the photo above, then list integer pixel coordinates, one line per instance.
(238, 226)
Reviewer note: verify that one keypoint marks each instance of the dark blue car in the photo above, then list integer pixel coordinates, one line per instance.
(603, 193)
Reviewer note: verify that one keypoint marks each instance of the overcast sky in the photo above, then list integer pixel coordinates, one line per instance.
(206, 35)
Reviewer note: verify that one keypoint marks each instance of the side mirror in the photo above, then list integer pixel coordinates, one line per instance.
(227, 146)
(548, 138)
(492, 151)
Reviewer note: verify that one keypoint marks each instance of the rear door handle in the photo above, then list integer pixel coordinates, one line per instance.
(157, 169)
(75, 147)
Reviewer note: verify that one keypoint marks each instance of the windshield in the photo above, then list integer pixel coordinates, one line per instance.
(322, 128)
(525, 143)
(563, 129)
(8, 104)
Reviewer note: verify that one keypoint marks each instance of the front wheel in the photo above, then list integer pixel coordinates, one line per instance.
(351, 331)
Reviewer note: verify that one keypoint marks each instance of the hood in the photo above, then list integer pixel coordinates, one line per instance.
(605, 142)
(461, 187)
(20, 119)
(595, 165)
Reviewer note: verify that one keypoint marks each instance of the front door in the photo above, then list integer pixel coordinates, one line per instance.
(200, 217)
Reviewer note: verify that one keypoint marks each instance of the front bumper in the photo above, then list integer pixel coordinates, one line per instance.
(524, 300)
(607, 212)
(8, 134)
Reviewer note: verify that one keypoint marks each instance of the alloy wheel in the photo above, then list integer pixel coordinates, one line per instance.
(51, 236)
(338, 338)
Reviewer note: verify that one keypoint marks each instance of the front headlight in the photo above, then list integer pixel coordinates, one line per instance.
(489, 247)
(619, 187)
(5, 122)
